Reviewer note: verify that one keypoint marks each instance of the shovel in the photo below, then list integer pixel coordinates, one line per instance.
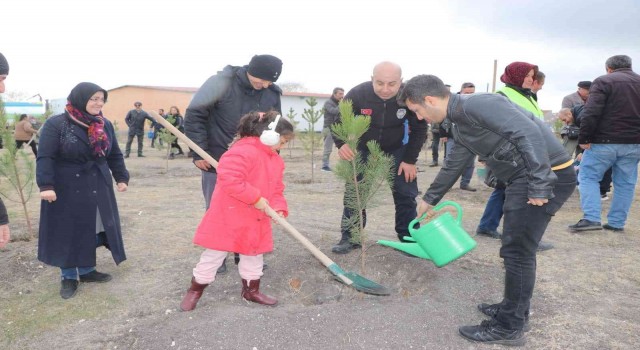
(351, 279)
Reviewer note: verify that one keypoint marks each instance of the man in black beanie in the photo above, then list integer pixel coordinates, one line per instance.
(4, 71)
(212, 117)
(5, 234)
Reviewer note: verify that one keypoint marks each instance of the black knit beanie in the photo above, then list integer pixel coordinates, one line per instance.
(265, 67)
(4, 65)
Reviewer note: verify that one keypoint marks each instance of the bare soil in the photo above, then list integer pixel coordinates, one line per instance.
(587, 294)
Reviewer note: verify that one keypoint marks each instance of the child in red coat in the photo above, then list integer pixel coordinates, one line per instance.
(249, 178)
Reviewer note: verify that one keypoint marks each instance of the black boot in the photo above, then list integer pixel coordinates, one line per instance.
(491, 310)
(223, 268)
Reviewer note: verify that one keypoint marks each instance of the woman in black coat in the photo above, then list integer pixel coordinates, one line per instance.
(78, 155)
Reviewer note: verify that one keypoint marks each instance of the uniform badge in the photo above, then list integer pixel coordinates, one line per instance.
(366, 111)
(400, 113)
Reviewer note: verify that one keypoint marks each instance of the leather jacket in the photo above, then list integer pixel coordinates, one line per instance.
(512, 141)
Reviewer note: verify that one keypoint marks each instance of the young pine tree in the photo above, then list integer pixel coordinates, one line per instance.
(17, 171)
(364, 176)
(311, 139)
(292, 119)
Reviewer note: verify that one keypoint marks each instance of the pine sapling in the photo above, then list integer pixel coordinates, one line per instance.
(364, 175)
(17, 169)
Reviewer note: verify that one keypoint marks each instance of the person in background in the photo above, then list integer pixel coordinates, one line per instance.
(579, 97)
(5, 232)
(178, 122)
(377, 99)
(24, 133)
(518, 78)
(331, 114)
(610, 136)
(525, 155)
(78, 157)
(135, 121)
(251, 174)
(157, 127)
(467, 174)
(212, 117)
(538, 82)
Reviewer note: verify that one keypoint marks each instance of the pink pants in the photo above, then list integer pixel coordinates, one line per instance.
(250, 266)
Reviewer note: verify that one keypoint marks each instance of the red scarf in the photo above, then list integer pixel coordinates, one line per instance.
(95, 129)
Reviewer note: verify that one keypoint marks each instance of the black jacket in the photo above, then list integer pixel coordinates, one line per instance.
(211, 120)
(512, 142)
(135, 121)
(612, 111)
(387, 123)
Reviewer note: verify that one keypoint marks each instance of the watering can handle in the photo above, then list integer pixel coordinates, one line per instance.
(437, 208)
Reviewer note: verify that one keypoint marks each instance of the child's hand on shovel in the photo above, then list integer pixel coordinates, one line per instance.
(261, 204)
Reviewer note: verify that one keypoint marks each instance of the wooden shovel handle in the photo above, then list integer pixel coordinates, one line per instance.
(326, 261)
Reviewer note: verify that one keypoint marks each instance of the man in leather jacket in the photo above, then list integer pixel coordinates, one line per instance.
(524, 154)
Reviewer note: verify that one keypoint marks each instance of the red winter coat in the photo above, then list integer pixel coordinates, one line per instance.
(247, 171)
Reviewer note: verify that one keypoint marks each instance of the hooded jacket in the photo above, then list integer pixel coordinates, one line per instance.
(212, 118)
(512, 141)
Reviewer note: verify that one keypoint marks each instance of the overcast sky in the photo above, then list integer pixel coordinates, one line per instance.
(53, 45)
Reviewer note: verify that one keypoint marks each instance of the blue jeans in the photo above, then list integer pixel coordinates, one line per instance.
(468, 171)
(624, 159)
(404, 197)
(524, 226)
(492, 211)
(74, 273)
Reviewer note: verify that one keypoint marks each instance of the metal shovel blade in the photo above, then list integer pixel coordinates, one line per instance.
(358, 282)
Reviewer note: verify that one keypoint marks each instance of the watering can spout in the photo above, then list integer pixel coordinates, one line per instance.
(410, 248)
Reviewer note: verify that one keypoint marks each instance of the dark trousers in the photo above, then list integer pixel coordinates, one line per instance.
(34, 148)
(524, 225)
(435, 146)
(404, 197)
(130, 141)
(155, 136)
(492, 211)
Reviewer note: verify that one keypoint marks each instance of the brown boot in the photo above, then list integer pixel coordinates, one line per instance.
(193, 295)
(251, 292)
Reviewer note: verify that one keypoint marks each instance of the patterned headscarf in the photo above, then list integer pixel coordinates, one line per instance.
(515, 73)
(77, 109)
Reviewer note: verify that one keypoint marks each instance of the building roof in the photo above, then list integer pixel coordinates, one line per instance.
(194, 90)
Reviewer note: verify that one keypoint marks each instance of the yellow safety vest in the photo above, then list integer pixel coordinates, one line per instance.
(523, 101)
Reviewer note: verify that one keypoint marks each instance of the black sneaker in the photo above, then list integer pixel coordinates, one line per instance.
(95, 276)
(68, 288)
(611, 228)
(326, 168)
(489, 233)
(542, 246)
(491, 310)
(467, 188)
(344, 247)
(585, 225)
(433, 164)
(489, 332)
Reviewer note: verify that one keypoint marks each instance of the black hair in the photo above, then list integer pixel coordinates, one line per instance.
(252, 124)
(336, 89)
(23, 116)
(420, 86)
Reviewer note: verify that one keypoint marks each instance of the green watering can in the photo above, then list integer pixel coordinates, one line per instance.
(441, 240)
